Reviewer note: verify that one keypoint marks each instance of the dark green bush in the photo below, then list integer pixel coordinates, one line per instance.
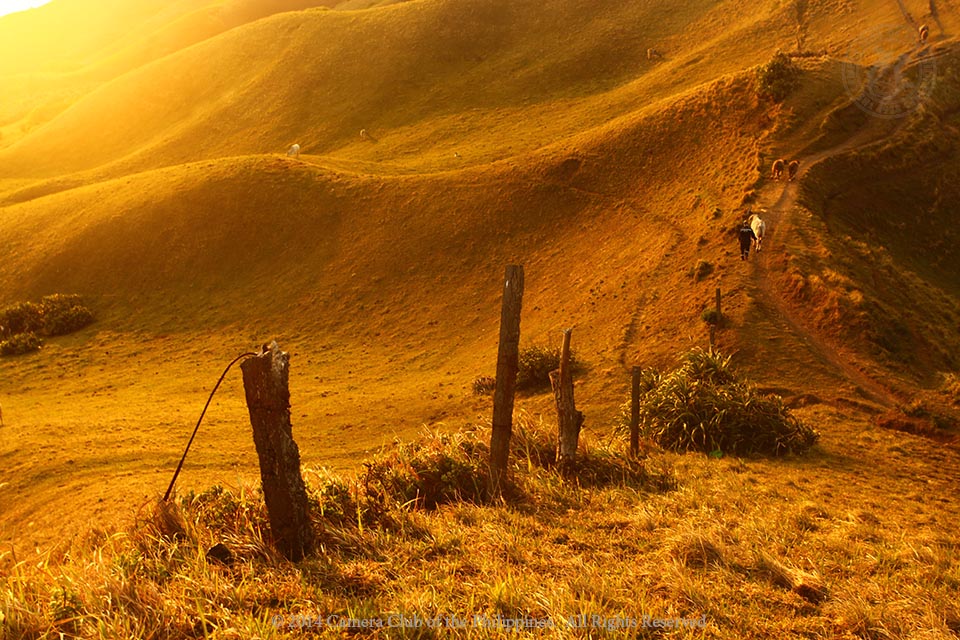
(67, 321)
(710, 316)
(778, 78)
(702, 406)
(55, 315)
(63, 314)
(19, 344)
(23, 317)
(535, 365)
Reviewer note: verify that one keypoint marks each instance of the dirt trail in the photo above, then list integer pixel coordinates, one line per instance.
(780, 201)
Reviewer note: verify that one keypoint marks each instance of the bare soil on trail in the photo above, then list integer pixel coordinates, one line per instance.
(777, 200)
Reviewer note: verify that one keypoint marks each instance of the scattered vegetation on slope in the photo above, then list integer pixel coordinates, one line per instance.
(204, 564)
(673, 537)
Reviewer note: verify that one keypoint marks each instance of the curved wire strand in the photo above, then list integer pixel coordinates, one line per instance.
(176, 473)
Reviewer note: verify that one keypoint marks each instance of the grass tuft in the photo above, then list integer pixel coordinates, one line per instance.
(703, 406)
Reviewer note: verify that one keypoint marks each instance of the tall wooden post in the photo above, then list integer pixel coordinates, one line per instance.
(719, 313)
(266, 385)
(635, 412)
(569, 420)
(508, 357)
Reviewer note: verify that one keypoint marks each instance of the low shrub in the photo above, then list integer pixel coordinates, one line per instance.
(23, 317)
(778, 78)
(55, 315)
(63, 314)
(535, 365)
(702, 406)
(533, 373)
(430, 472)
(20, 343)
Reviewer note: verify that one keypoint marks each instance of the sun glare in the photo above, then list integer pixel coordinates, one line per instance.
(11, 6)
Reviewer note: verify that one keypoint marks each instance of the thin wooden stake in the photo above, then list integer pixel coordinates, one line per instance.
(635, 412)
(508, 357)
(569, 420)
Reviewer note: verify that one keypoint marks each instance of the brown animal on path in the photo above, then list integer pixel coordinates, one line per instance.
(924, 34)
(777, 170)
(792, 169)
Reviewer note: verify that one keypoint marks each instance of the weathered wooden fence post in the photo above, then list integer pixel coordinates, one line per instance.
(719, 313)
(266, 385)
(508, 355)
(635, 412)
(569, 420)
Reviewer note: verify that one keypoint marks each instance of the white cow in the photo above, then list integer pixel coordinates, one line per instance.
(758, 226)
(294, 151)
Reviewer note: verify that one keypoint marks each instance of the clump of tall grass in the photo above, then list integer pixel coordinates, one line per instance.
(431, 471)
(703, 406)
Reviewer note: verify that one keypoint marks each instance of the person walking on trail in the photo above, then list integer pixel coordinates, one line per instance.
(747, 237)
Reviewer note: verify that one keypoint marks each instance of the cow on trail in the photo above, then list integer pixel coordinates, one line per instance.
(758, 227)
(777, 171)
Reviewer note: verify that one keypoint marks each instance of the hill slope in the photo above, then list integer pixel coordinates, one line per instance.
(498, 133)
(417, 75)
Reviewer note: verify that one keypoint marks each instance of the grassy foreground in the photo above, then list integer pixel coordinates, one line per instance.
(687, 546)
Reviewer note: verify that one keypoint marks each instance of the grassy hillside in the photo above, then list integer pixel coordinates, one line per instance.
(54, 56)
(422, 77)
(142, 166)
(669, 537)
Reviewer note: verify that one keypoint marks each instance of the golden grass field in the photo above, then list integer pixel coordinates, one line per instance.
(143, 165)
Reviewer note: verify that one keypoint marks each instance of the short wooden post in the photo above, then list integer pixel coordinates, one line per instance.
(508, 358)
(719, 313)
(635, 412)
(569, 420)
(266, 385)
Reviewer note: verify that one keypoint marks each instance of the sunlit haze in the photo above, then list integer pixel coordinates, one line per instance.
(11, 6)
